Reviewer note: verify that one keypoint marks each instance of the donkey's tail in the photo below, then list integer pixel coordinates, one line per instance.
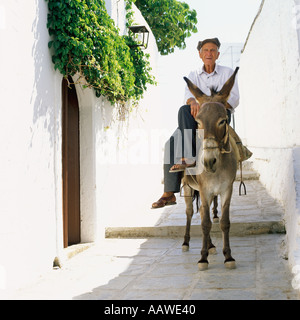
(197, 198)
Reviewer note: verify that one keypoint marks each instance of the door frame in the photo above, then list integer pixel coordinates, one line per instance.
(70, 164)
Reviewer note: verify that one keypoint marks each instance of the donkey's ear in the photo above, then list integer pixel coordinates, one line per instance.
(193, 88)
(225, 91)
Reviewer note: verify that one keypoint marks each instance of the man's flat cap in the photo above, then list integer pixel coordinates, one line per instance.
(213, 40)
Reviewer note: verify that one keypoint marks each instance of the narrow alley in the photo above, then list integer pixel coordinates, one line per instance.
(147, 262)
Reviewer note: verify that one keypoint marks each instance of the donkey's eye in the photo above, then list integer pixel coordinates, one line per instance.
(222, 122)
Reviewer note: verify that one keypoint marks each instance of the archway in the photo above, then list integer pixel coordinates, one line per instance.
(70, 164)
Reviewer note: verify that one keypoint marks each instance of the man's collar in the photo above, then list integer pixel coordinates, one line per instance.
(215, 71)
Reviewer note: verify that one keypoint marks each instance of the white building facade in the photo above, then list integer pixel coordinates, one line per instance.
(111, 167)
(268, 117)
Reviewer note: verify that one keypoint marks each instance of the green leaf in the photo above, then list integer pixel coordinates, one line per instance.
(86, 40)
(168, 20)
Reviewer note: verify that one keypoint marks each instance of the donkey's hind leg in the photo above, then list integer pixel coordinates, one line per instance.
(215, 210)
(189, 193)
(211, 247)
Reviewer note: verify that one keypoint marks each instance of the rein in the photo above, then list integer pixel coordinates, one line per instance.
(222, 150)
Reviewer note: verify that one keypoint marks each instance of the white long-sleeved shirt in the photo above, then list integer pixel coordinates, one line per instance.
(215, 80)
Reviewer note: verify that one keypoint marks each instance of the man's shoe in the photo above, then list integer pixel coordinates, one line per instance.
(179, 167)
(164, 201)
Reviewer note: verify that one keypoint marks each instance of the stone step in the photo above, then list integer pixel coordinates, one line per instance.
(237, 229)
(247, 175)
(248, 172)
(252, 214)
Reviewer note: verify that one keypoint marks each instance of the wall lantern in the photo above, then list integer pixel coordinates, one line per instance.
(141, 36)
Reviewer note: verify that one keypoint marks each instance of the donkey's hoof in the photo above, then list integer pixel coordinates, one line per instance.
(185, 248)
(202, 266)
(230, 264)
(212, 250)
(216, 220)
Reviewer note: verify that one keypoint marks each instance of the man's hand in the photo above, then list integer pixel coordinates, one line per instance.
(195, 107)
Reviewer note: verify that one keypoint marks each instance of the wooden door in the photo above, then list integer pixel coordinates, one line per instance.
(71, 164)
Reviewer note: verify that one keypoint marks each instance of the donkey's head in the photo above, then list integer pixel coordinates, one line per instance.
(212, 118)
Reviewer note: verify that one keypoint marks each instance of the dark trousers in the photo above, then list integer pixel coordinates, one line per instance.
(181, 140)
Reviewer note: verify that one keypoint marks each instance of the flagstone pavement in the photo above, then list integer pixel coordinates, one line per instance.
(146, 262)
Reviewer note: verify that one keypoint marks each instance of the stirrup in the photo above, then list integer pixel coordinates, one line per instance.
(242, 184)
(240, 187)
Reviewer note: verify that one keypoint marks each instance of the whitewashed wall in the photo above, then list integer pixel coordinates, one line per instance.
(129, 153)
(28, 127)
(121, 157)
(120, 173)
(268, 119)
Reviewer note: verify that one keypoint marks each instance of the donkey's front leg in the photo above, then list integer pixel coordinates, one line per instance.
(206, 227)
(225, 227)
(189, 214)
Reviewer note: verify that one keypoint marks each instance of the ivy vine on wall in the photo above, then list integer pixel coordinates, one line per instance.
(85, 41)
(171, 22)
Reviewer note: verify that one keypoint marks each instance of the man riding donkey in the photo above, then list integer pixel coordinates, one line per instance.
(180, 149)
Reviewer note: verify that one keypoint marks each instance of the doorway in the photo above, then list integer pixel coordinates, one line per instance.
(70, 164)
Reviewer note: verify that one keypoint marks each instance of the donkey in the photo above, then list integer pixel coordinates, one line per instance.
(219, 164)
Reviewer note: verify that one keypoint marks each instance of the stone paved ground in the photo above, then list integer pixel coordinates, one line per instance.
(156, 268)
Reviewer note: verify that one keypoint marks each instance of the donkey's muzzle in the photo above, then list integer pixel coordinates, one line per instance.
(210, 154)
(210, 165)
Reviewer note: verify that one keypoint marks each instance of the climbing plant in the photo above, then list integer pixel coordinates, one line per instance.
(85, 41)
(171, 22)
